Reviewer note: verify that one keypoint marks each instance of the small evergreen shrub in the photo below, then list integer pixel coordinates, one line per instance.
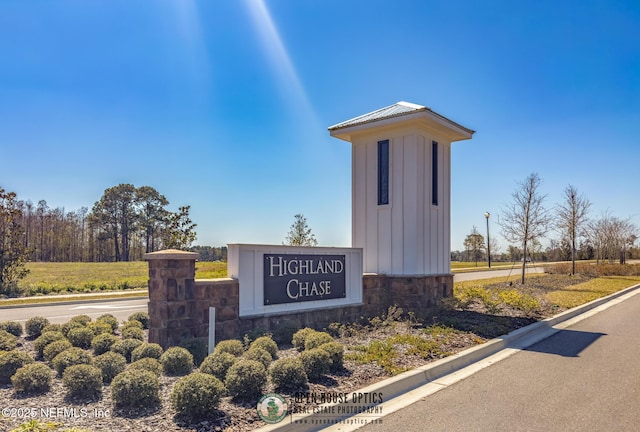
(336, 353)
(316, 362)
(299, 337)
(231, 346)
(34, 326)
(315, 339)
(176, 361)
(7, 341)
(197, 395)
(103, 343)
(217, 364)
(135, 388)
(82, 319)
(109, 319)
(45, 339)
(52, 328)
(55, 348)
(132, 323)
(259, 355)
(10, 362)
(246, 379)
(125, 347)
(288, 374)
(198, 347)
(142, 317)
(111, 364)
(132, 333)
(83, 381)
(100, 327)
(146, 349)
(149, 364)
(70, 357)
(32, 378)
(267, 344)
(13, 327)
(81, 337)
(69, 325)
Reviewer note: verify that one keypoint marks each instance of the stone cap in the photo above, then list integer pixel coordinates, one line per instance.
(171, 254)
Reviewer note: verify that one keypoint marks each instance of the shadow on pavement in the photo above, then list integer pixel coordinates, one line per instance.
(566, 343)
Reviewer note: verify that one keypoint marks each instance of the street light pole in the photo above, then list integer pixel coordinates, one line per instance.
(486, 215)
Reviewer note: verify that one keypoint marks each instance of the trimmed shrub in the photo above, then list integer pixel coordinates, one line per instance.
(149, 364)
(109, 319)
(55, 348)
(13, 327)
(81, 337)
(100, 327)
(69, 325)
(288, 374)
(198, 347)
(103, 343)
(132, 333)
(45, 339)
(32, 378)
(259, 355)
(135, 388)
(176, 361)
(315, 339)
(83, 381)
(125, 347)
(70, 357)
(10, 362)
(82, 319)
(246, 379)
(146, 349)
(217, 364)
(336, 353)
(197, 395)
(34, 326)
(316, 362)
(300, 336)
(52, 328)
(111, 364)
(267, 344)
(142, 317)
(7, 341)
(132, 323)
(231, 346)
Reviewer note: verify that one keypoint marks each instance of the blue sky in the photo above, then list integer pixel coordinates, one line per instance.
(224, 105)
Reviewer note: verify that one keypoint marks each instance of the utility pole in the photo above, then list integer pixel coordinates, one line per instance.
(486, 215)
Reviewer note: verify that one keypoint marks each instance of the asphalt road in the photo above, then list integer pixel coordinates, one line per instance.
(61, 313)
(512, 275)
(584, 378)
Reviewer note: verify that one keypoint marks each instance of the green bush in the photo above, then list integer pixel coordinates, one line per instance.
(315, 339)
(10, 362)
(132, 323)
(69, 325)
(198, 347)
(176, 361)
(83, 381)
(149, 364)
(288, 374)
(100, 327)
(52, 328)
(45, 339)
(70, 357)
(246, 379)
(82, 319)
(300, 337)
(125, 347)
(81, 337)
(197, 395)
(146, 349)
(32, 378)
(259, 355)
(132, 333)
(34, 326)
(142, 317)
(7, 341)
(111, 364)
(267, 344)
(103, 343)
(316, 362)
(217, 364)
(231, 346)
(109, 319)
(13, 327)
(55, 348)
(135, 388)
(336, 353)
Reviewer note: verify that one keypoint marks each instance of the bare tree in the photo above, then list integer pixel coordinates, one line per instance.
(610, 237)
(526, 218)
(572, 215)
(300, 234)
(474, 243)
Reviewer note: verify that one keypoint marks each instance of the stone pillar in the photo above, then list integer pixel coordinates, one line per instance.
(171, 294)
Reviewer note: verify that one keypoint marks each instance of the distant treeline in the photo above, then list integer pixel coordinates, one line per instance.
(209, 253)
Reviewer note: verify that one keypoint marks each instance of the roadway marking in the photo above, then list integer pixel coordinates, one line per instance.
(102, 307)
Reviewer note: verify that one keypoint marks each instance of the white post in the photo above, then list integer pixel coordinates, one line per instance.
(212, 328)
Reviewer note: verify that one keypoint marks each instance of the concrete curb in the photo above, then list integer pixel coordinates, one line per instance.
(79, 298)
(410, 380)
